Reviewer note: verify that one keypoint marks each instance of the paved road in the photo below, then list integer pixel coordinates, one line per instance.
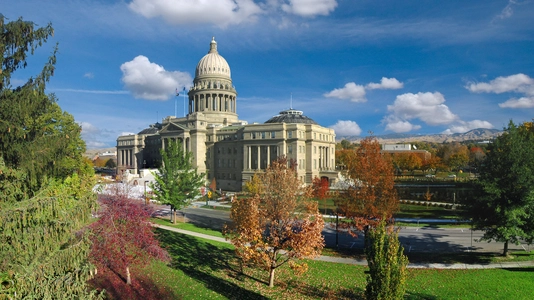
(355, 261)
(417, 239)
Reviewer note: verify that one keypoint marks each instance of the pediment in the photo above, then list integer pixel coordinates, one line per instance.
(173, 128)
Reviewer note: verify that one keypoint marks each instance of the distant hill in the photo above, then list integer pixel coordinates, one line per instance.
(92, 152)
(480, 134)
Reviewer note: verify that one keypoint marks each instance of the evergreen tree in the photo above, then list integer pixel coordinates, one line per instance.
(36, 136)
(177, 182)
(45, 198)
(387, 264)
(504, 202)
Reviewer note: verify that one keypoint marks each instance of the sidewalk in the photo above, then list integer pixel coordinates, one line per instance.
(363, 262)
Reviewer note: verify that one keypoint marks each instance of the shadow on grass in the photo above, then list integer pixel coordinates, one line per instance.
(201, 260)
(328, 293)
(526, 269)
(419, 296)
(451, 258)
(142, 287)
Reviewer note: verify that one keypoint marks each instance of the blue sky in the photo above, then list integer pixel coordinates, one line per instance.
(358, 66)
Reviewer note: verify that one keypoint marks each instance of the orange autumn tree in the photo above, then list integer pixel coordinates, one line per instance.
(279, 225)
(371, 195)
(320, 188)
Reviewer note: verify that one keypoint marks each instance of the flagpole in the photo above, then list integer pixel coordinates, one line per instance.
(184, 100)
(175, 101)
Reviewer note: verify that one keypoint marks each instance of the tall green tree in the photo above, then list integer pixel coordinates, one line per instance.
(504, 201)
(45, 198)
(177, 182)
(36, 136)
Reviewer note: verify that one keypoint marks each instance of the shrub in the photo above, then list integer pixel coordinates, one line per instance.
(387, 264)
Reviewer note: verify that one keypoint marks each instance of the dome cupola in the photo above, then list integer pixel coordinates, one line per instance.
(213, 93)
(212, 64)
(291, 116)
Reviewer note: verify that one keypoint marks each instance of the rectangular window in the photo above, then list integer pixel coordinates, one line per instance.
(290, 134)
(289, 149)
(263, 135)
(272, 135)
(253, 135)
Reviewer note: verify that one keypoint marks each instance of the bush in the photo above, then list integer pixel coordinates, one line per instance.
(387, 264)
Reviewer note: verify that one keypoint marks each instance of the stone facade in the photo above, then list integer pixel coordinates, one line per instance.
(224, 147)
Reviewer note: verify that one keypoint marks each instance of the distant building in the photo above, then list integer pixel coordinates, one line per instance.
(224, 147)
(396, 149)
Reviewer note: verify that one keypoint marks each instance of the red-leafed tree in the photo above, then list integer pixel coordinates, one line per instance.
(123, 236)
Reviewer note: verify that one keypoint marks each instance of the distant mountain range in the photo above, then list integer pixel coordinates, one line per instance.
(480, 134)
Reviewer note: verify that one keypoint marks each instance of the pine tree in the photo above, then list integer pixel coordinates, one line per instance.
(177, 182)
(45, 198)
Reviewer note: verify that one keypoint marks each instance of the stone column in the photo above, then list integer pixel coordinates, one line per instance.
(249, 158)
(259, 158)
(268, 156)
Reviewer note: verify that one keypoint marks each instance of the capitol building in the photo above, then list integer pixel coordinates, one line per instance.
(224, 147)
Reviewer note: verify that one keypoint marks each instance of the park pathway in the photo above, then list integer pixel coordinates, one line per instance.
(363, 262)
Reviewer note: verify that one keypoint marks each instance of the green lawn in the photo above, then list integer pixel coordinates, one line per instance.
(203, 269)
(428, 212)
(187, 226)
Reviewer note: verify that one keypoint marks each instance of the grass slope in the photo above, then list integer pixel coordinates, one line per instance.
(203, 269)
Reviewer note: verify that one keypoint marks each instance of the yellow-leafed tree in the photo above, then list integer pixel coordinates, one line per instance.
(280, 225)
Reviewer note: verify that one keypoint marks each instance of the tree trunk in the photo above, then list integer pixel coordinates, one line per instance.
(271, 277)
(128, 277)
(174, 216)
(505, 252)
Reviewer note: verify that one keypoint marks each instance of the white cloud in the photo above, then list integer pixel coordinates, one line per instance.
(310, 8)
(344, 128)
(89, 75)
(356, 93)
(398, 126)
(217, 12)
(462, 126)
(518, 83)
(427, 107)
(523, 102)
(507, 11)
(386, 83)
(151, 81)
(91, 135)
(352, 91)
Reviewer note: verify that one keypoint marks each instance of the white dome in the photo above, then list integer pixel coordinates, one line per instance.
(212, 63)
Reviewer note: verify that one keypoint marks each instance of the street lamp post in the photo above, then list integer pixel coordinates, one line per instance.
(146, 197)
